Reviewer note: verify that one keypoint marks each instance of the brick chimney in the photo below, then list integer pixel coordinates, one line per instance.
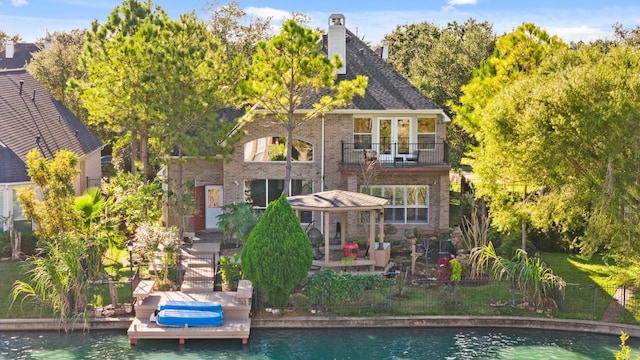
(337, 40)
(9, 50)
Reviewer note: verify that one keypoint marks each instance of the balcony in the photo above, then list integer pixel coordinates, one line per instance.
(396, 154)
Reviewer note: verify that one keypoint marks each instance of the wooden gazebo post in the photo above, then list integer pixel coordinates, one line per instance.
(372, 233)
(327, 250)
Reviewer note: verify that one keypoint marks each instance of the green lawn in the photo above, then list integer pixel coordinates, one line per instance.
(590, 283)
(586, 279)
(99, 294)
(12, 271)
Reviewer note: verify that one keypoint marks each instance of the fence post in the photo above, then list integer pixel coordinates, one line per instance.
(322, 309)
(595, 302)
(390, 297)
(513, 292)
(624, 301)
(561, 295)
(455, 294)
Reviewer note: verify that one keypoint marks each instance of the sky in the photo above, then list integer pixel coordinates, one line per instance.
(571, 20)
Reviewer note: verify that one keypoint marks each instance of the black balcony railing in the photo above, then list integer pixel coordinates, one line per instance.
(396, 154)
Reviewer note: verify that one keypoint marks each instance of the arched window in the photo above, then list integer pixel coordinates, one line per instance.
(274, 148)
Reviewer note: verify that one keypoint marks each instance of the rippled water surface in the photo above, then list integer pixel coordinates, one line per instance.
(393, 343)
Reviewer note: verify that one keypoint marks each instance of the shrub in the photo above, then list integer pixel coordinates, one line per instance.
(28, 243)
(277, 255)
(237, 220)
(231, 272)
(456, 270)
(510, 242)
(300, 301)
(333, 288)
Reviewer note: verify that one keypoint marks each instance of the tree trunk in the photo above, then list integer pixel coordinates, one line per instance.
(113, 291)
(524, 236)
(180, 193)
(287, 171)
(144, 155)
(524, 223)
(134, 150)
(17, 245)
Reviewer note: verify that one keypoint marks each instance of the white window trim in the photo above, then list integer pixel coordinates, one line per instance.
(405, 206)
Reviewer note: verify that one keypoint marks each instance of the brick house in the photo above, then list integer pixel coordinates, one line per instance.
(389, 143)
(31, 118)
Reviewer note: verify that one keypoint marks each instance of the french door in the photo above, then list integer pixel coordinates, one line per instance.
(394, 136)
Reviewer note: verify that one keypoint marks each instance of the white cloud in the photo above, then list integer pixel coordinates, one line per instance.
(266, 12)
(578, 33)
(19, 2)
(461, 2)
(451, 4)
(567, 24)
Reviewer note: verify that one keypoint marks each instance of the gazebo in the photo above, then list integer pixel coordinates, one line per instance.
(342, 202)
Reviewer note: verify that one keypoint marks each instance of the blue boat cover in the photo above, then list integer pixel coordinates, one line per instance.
(193, 305)
(174, 317)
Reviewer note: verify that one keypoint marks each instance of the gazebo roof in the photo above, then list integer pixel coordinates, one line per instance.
(337, 201)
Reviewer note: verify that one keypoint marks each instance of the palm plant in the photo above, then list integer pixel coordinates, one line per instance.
(57, 279)
(237, 220)
(533, 278)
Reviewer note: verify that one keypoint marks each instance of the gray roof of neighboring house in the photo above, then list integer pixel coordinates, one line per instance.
(12, 168)
(21, 56)
(31, 118)
(386, 89)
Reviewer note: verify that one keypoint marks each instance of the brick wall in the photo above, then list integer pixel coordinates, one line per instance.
(338, 129)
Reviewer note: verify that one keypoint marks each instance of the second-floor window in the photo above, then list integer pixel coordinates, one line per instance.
(274, 148)
(427, 133)
(362, 133)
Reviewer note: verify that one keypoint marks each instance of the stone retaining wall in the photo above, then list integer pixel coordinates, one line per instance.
(355, 322)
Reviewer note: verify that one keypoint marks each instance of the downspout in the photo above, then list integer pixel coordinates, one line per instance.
(322, 157)
(322, 170)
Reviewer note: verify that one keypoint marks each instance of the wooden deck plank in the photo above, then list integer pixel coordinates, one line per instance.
(237, 324)
(231, 329)
(144, 289)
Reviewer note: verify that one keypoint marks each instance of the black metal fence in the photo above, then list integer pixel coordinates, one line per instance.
(469, 297)
(395, 155)
(608, 303)
(93, 182)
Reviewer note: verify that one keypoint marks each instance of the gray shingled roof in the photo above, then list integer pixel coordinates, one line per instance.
(337, 201)
(33, 118)
(12, 168)
(21, 56)
(386, 89)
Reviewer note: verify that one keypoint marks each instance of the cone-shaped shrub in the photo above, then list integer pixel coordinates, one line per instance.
(277, 255)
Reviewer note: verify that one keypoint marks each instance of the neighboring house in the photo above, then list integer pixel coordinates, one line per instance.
(394, 128)
(17, 56)
(31, 118)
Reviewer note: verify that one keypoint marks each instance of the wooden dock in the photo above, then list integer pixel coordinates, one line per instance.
(235, 307)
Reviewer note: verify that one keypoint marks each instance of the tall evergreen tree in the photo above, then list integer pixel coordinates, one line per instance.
(289, 70)
(277, 255)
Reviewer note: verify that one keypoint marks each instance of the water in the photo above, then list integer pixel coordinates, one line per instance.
(311, 344)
